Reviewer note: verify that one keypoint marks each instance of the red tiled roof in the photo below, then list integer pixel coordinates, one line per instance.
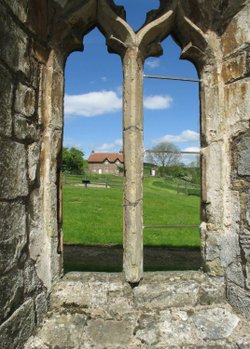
(101, 157)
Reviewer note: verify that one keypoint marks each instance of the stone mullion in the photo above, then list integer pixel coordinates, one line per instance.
(133, 164)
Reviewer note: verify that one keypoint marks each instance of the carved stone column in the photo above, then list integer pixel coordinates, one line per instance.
(133, 49)
(133, 163)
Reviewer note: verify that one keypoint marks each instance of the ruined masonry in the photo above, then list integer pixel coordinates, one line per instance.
(206, 309)
(167, 310)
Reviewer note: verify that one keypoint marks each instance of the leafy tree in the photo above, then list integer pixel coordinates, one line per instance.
(164, 155)
(176, 171)
(72, 161)
(66, 160)
(194, 170)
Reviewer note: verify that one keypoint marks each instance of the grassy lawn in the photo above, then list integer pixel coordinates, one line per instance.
(94, 215)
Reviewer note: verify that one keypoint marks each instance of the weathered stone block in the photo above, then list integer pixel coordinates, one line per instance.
(81, 294)
(174, 330)
(237, 32)
(33, 160)
(243, 152)
(25, 100)
(215, 323)
(38, 18)
(237, 113)
(13, 170)
(6, 88)
(212, 246)
(56, 259)
(214, 156)
(18, 328)
(232, 211)
(148, 331)
(51, 209)
(110, 333)
(234, 273)
(153, 297)
(248, 209)
(19, 8)
(31, 281)
(12, 220)
(212, 123)
(11, 251)
(25, 130)
(36, 343)
(213, 292)
(35, 207)
(214, 267)
(67, 330)
(235, 68)
(55, 149)
(13, 44)
(245, 243)
(239, 298)
(11, 292)
(57, 105)
(39, 244)
(41, 304)
(248, 274)
(230, 248)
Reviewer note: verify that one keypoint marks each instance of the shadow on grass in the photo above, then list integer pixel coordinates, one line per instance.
(109, 258)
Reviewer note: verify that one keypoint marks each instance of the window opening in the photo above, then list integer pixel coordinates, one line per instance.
(92, 199)
(171, 221)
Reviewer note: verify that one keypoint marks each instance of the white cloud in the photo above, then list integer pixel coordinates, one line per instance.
(118, 142)
(119, 90)
(152, 63)
(103, 102)
(185, 136)
(109, 147)
(104, 78)
(158, 102)
(92, 103)
(68, 143)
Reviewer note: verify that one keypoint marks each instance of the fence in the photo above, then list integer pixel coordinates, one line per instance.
(104, 181)
(181, 177)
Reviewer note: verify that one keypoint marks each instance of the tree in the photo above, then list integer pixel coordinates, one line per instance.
(72, 160)
(194, 170)
(164, 154)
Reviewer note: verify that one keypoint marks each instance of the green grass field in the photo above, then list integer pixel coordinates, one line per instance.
(94, 215)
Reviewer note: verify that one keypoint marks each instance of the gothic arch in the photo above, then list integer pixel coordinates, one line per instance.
(198, 44)
(68, 29)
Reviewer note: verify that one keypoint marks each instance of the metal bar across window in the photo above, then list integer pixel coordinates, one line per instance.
(170, 226)
(173, 152)
(171, 78)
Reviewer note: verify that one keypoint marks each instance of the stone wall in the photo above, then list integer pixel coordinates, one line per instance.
(29, 261)
(236, 73)
(225, 97)
(35, 39)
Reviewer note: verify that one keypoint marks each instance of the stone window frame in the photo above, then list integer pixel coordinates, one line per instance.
(133, 48)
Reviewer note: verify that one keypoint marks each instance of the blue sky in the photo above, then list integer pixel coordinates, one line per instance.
(93, 94)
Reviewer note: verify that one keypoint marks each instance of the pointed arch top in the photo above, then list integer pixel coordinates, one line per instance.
(76, 19)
